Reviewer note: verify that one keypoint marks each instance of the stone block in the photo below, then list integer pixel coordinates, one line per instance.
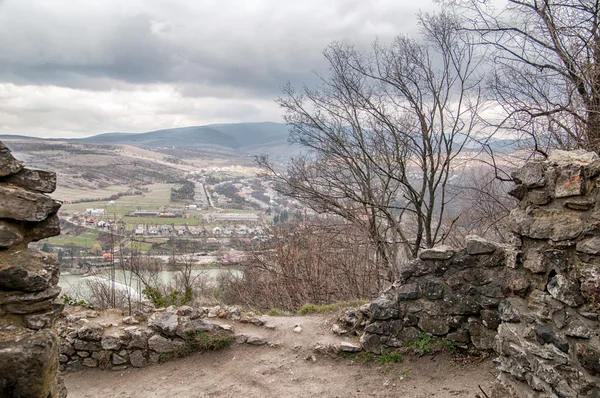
(43, 229)
(409, 291)
(29, 365)
(481, 336)
(137, 359)
(371, 343)
(477, 245)
(589, 245)
(569, 181)
(25, 271)
(437, 253)
(34, 180)
(382, 309)
(90, 331)
(433, 290)
(8, 164)
(437, 326)
(579, 156)
(167, 324)
(531, 175)
(10, 234)
(160, 344)
(18, 204)
(565, 290)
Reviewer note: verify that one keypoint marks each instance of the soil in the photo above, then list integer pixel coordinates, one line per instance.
(288, 367)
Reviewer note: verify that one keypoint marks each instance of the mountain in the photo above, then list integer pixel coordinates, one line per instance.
(227, 136)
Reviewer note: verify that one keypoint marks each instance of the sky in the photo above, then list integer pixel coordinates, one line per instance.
(74, 68)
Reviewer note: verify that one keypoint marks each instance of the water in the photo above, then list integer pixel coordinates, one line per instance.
(126, 283)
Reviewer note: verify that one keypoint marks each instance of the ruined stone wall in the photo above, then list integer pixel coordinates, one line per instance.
(446, 293)
(536, 304)
(548, 341)
(28, 283)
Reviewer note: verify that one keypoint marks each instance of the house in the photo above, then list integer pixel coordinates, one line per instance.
(217, 231)
(138, 231)
(95, 212)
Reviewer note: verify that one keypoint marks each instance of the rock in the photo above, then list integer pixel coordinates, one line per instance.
(578, 329)
(388, 328)
(28, 364)
(25, 303)
(34, 278)
(184, 310)
(569, 182)
(111, 341)
(86, 345)
(18, 204)
(371, 343)
(8, 164)
(137, 339)
(531, 175)
(255, 340)
(118, 360)
(90, 331)
(534, 262)
(234, 313)
(73, 366)
(589, 358)
(241, 338)
(459, 336)
(35, 231)
(546, 335)
(160, 344)
(565, 290)
(518, 192)
(83, 354)
(589, 245)
(137, 359)
(481, 336)
(44, 320)
(167, 324)
(257, 322)
(490, 319)
(349, 347)
(34, 180)
(432, 290)
(382, 309)
(538, 198)
(507, 312)
(229, 328)
(558, 225)
(516, 283)
(581, 204)
(297, 329)
(437, 253)
(336, 329)
(195, 326)
(575, 157)
(10, 235)
(477, 246)
(407, 291)
(130, 320)
(438, 326)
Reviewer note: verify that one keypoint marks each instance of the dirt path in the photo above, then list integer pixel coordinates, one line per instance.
(282, 369)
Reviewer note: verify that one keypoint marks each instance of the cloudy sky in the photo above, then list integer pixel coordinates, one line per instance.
(80, 67)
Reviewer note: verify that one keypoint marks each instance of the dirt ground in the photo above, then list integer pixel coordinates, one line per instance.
(287, 367)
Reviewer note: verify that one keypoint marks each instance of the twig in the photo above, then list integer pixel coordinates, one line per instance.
(483, 392)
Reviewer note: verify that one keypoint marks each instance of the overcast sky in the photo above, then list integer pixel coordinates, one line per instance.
(80, 67)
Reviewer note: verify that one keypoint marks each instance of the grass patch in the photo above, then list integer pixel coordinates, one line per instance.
(423, 343)
(390, 357)
(308, 309)
(197, 342)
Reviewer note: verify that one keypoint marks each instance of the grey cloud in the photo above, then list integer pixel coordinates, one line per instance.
(183, 42)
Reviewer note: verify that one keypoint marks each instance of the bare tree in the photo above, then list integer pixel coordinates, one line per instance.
(382, 133)
(546, 68)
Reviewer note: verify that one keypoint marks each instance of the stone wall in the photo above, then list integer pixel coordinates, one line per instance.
(28, 283)
(536, 304)
(136, 340)
(548, 341)
(446, 293)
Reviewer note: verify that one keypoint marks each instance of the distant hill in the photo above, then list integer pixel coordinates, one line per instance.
(233, 136)
(239, 139)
